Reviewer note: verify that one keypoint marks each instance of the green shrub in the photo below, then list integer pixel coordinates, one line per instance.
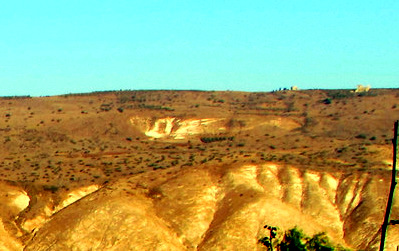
(340, 94)
(327, 101)
(156, 107)
(320, 242)
(106, 107)
(53, 188)
(214, 139)
(295, 240)
(266, 241)
(361, 136)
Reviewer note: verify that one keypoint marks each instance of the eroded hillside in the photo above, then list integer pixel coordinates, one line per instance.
(187, 170)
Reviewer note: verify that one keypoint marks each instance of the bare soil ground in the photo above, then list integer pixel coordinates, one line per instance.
(71, 140)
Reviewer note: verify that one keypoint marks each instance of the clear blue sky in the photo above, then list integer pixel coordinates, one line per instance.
(57, 47)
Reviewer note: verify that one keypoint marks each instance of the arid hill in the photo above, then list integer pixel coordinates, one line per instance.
(193, 170)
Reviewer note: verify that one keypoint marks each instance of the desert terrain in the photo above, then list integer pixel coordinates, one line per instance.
(195, 170)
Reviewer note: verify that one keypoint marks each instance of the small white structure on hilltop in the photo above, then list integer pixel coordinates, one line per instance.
(361, 88)
(294, 88)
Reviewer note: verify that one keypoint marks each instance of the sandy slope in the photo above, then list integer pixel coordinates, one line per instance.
(219, 208)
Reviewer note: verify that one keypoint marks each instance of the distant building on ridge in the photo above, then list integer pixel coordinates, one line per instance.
(361, 88)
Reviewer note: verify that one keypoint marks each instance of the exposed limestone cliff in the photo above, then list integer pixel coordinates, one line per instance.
(220, 208)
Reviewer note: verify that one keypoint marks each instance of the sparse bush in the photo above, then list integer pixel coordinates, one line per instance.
(309, 122)
(361, 136)
(366, 94)
(51, 188)
(106, 107)
(214, 139)
(290, 107)
(342, 150)
(156, 107)
(236, 123)
(340, 94)
(241, 144)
